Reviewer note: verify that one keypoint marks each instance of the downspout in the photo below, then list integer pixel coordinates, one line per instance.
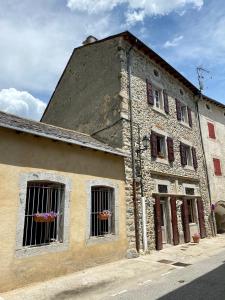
(136, 214)
(143, 199)
(206, 167)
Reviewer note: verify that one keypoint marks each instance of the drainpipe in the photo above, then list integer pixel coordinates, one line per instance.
(143, 200)
(135, 204)
(206, 167)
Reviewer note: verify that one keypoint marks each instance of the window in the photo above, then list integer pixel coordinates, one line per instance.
(191, 210)
(188, 156)
(211, 130)
(184, 114)
(190, 191)
(162, 188)
(158, 101)
(161, 146)
(102, 211)
(44, 214)
(217, 167)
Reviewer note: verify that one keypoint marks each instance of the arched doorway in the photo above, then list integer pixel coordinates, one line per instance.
(220, 216)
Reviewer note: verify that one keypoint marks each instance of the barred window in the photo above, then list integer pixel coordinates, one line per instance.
(44, 213)
(102, 211)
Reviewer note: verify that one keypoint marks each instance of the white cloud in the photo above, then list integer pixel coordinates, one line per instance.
(136, 10)
(21, 103)
(175, 42)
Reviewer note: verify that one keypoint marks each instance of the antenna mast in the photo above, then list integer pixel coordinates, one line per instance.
(200, 72)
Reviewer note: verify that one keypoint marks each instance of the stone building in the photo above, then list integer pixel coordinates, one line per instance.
(62, 202)
(212, 116)
(118, 90)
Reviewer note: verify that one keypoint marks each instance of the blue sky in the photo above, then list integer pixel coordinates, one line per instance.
(37, 38)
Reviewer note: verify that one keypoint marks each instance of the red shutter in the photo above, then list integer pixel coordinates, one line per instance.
(174, 221)
(150, 98)
(194, 156)
(190, 117)
(166, 102)
(183, 155)
(170, 149)
(185, 221)
(158, 229)
(178, 107)
(217, 167)
(201, 218)
(153, 141)
(211, 130)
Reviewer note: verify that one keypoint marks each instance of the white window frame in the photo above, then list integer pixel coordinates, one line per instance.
(23, 251)
(158, 99)
(189, 145)
(109, 237)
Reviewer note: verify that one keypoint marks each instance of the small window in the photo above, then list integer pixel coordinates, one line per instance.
(189, 191)
(156, 73)
(102, 211)
(188, 155)
(161, 146)
(217, 167)
(162, 188)
(44, 214)
(211, 130)
(184, 114)
(158, 99)
(191, 210)
(181, 92)
(207, 106)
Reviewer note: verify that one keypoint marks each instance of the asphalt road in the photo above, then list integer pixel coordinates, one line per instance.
(204, 280)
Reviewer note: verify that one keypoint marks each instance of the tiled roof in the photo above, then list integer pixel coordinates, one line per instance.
(55, 133)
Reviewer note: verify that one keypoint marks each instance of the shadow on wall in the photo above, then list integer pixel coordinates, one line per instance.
(208, 287)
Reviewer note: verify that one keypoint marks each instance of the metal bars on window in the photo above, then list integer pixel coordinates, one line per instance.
(44, 212)
(102, 211)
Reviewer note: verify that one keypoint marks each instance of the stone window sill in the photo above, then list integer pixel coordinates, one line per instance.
(102, 239)
(160, 111)
(186, 125)
(162, 160)
(191, 168)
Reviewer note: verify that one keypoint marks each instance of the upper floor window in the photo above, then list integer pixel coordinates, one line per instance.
(217, 167)
(157, 97)
(184, 113)
(211, 130)
(162, 146)
(188, 156)
(102, 212)
(163, 188)
(44, 214)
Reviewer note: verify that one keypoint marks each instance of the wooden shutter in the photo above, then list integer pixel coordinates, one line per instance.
(183, 154)
(211, 130)
(194, 156)
(153, 141)
(150, 97)
(185, 221)
(166, 102)
(178, 107)
(158, 229)
(217, 167)
(174, 221)
(170, 149)
(201, 218)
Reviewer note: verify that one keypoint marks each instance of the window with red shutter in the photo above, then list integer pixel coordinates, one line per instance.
(211, 129)
(217, 167)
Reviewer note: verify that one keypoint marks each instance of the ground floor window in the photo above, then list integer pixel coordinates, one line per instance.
(102, 216)
(44, 213)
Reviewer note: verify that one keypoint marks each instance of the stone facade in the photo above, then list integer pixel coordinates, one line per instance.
(111, 96)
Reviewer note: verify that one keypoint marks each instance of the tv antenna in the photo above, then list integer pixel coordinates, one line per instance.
(201, 72)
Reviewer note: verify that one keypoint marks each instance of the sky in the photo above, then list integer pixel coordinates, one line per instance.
(38, 37)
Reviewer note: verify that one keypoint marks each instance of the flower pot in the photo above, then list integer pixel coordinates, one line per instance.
(196, 239)
(104, 215)
(45, 217)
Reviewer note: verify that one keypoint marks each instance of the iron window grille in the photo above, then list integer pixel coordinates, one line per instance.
(42, 198)
(102, 202)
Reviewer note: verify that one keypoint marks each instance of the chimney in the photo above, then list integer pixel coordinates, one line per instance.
(89, 40)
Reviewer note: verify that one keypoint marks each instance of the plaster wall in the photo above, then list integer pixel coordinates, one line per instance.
(22, 154)
(214, 148)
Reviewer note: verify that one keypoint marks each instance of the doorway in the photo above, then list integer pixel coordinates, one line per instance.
(165, 224)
